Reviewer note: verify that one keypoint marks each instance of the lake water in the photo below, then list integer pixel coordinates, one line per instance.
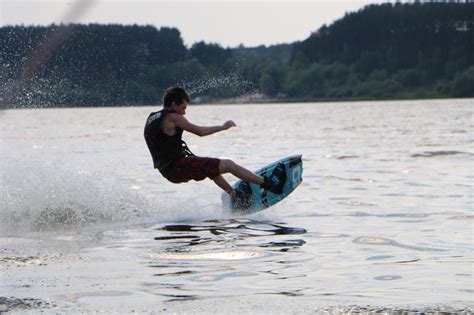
(382, 221)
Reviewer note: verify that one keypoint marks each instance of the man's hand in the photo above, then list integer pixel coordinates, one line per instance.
(229, 124)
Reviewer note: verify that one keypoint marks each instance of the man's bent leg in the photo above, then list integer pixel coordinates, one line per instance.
(228, 166)
(222, 183)
(238, 198)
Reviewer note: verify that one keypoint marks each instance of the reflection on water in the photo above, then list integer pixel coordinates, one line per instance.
(248, 256)
(191, 255)
(217, 233)
(241, 226)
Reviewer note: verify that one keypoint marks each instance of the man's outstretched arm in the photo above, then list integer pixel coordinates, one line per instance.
(201, 131)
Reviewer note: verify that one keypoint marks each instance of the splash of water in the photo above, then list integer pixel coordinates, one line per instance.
(220, 86)
(13, 89)
(39, 197)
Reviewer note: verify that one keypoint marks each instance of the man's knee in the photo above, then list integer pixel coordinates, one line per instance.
(226, 166)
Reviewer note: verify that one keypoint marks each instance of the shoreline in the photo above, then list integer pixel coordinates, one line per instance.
(256, 102)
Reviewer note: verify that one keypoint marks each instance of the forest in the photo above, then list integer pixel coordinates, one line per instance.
(385, 51)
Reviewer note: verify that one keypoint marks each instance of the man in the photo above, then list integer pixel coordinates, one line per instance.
(171, 156)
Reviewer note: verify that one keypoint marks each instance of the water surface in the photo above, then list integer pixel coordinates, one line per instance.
(384, 216)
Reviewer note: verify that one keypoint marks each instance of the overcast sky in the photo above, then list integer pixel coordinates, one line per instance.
(226, 22)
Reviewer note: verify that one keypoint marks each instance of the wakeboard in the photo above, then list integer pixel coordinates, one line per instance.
(256, 198)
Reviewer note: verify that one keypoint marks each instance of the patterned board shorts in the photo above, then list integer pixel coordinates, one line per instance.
(192, 168)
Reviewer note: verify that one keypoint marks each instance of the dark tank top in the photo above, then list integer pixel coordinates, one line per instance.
(164, 149)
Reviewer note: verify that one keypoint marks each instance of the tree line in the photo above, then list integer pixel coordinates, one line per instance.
(385, 51)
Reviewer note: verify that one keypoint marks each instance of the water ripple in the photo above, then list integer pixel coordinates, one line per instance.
(387, 278)
(374, 240)
(427, 154)
(212, 237)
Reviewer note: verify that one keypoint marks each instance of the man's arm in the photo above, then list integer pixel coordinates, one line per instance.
(183, 123)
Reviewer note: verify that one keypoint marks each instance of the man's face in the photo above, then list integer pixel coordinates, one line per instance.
(180, 109)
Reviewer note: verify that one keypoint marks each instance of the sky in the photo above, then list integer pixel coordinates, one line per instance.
(225, 22)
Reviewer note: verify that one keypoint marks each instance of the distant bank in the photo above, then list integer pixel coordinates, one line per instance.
(387, 51)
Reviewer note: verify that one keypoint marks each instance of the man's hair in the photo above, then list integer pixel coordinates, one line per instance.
(175, 94)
